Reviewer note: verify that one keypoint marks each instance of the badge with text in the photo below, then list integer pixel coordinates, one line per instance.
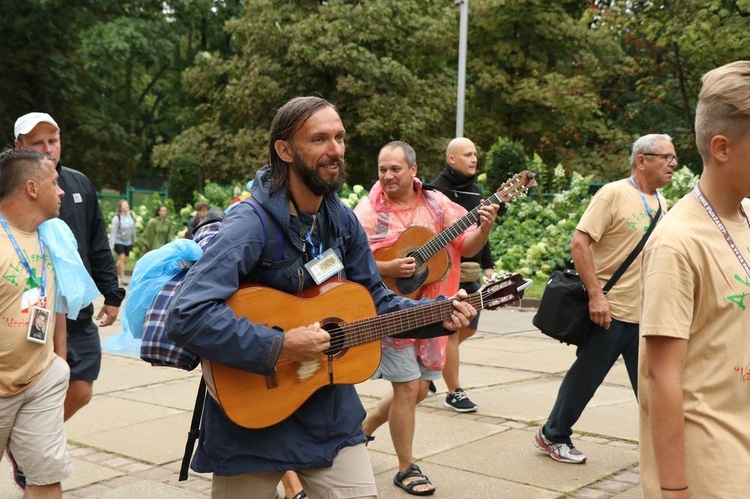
(39, 325)
(324, 266)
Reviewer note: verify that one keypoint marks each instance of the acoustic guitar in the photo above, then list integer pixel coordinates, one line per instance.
(428, 249)
(344, 309)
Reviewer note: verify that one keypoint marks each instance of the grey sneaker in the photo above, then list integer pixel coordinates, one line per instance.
(459, 402)
(565, 453)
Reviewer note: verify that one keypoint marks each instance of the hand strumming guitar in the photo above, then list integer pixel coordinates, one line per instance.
(398, 268)
(305, 343)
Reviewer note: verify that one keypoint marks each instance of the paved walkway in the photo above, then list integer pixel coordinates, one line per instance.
(128, 442)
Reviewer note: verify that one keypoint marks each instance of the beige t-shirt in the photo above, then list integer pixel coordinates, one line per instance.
(616, 219)
(22, 361)
(696, 289)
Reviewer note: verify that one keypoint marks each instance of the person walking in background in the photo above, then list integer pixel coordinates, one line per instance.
(458, 182)
(81, 212)
(158, 232)
(122, 237)
(613, 224)
(34, 376)
(695, 348)
(200, 213)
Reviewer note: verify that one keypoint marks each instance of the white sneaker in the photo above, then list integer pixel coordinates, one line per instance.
(565, 453)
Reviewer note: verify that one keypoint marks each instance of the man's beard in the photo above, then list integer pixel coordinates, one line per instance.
(314, 181)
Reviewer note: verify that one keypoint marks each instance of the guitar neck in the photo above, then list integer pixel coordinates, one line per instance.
(375, 328)
(442, 240)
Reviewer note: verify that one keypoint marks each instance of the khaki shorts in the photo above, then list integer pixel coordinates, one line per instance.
(350, 476)
(31, 424)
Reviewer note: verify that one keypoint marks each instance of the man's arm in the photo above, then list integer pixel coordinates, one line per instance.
(665, 365)
(580, 248)
(103, 268)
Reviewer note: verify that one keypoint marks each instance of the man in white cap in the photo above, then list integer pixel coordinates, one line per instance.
(80, 211)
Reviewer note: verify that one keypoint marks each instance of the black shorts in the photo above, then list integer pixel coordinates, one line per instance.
(472, 287)
(84, 350)
(122, 249)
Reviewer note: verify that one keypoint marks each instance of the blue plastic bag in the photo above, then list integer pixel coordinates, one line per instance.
(75, 288)
(152, 271)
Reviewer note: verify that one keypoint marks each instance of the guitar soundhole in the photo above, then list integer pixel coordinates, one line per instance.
(338, 338)
(407, 285)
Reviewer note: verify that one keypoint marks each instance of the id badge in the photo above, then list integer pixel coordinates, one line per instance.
(324, 266)
(38, 325)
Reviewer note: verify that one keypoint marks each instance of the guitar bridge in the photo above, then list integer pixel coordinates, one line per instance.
(272, 381)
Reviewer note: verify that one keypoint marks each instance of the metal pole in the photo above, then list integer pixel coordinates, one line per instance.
(461, 94)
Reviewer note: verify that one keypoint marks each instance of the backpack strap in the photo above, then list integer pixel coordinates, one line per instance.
(273, 241)
(194, 432)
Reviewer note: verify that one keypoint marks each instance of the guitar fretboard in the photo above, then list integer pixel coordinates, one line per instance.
(508, 191)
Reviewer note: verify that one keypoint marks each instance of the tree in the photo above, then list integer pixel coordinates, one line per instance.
(109, 72)
(382, 63)
(535, 70)
(671, 44)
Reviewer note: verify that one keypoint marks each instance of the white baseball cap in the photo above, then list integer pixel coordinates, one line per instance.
(27, 122)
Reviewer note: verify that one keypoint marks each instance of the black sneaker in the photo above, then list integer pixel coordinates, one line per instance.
(15, 472)
(459, 402)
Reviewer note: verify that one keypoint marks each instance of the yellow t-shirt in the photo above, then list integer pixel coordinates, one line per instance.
(696, 289)
(22, 361)
(616, 219)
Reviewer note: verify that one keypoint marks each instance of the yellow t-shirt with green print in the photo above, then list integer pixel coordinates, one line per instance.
(22, 362)
(616, 219)
(696, 289)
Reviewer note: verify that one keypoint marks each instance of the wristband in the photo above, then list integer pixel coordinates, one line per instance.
(665, 489)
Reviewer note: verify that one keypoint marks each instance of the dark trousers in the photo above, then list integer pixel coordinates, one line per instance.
(593, 362)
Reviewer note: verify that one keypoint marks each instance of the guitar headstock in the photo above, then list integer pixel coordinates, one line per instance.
(503, 289)
(516, 185)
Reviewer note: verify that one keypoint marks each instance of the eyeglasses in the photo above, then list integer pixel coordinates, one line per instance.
(668, 157)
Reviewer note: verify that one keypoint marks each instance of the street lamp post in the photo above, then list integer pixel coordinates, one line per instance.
(461, 93)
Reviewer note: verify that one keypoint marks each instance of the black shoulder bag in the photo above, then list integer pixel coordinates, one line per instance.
(563, 312)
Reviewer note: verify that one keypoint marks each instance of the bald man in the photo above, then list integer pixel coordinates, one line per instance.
(457, 181)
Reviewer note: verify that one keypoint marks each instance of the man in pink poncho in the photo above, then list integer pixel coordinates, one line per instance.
(395, 203)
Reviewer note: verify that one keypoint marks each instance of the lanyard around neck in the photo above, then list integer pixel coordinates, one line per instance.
(24, 261)
(710, 210)
(643, 198)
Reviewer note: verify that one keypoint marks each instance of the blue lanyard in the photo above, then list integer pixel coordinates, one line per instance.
(23, 259)
(643, 198)
(313, 252)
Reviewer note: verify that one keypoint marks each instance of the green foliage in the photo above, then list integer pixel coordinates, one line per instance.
(532, 236)
(505, 159)
(390, 80)
(220, 195)
(137, 83)
(184, 179)
(352, 196)
(683, 181)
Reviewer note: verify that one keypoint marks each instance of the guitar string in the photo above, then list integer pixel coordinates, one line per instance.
(362, 331)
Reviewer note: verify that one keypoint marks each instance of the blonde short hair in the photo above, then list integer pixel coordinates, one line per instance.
(723, 105)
